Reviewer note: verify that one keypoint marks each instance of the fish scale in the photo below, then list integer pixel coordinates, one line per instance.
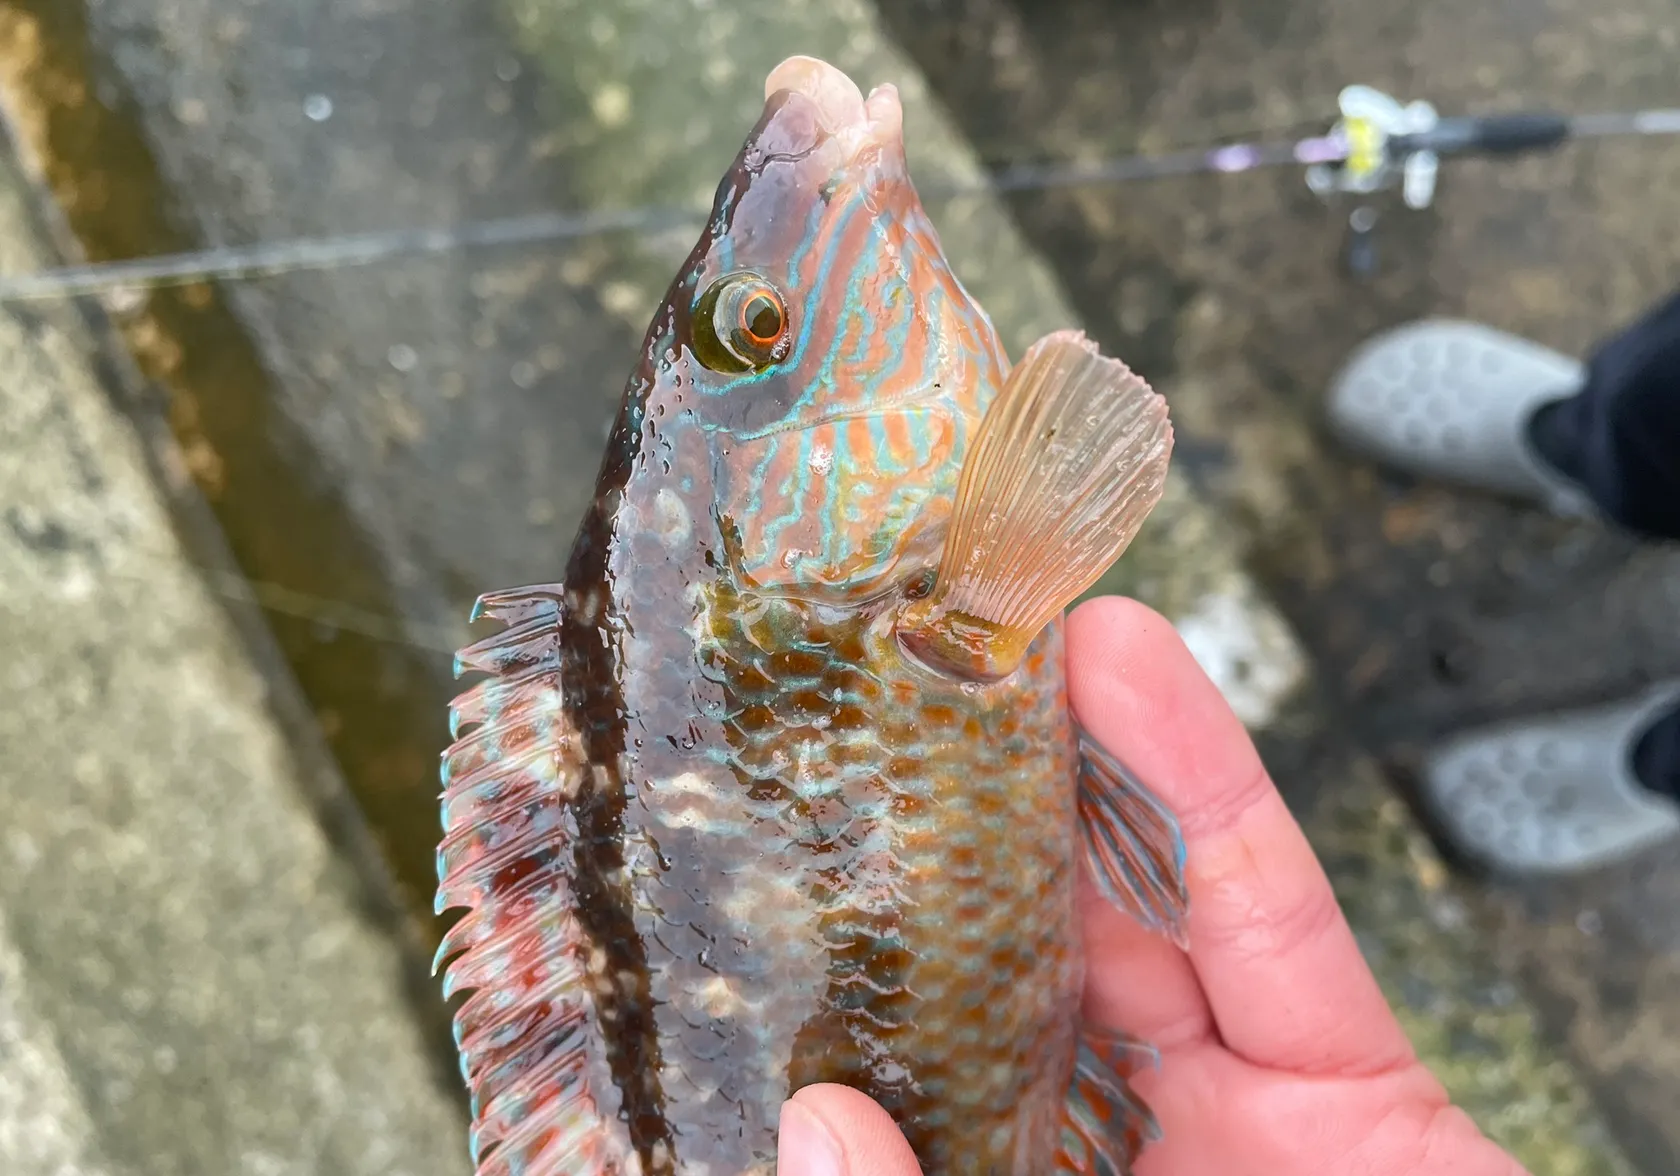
(959, 973)
(758, 797)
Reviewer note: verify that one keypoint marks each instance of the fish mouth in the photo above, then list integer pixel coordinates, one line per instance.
(855, 122)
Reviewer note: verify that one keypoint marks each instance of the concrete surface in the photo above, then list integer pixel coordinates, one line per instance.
(1424, 610)
(191, 980)
(44, 1125)
(382, 444)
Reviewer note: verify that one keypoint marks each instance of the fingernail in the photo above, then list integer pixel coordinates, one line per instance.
(805, 1145)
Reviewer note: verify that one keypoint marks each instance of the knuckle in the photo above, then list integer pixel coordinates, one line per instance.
(1225, 811)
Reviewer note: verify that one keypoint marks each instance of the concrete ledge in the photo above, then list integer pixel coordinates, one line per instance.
(189, 981)
(44, 1126)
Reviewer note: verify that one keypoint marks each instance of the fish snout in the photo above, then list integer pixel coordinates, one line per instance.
(856, 121)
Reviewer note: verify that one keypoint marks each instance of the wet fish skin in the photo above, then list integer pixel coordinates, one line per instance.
(720, 836)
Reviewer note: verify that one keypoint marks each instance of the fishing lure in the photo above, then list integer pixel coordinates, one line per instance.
(780, 785)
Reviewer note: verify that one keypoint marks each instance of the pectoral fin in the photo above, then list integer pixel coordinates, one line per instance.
(1068, 462)
(1132, 843)
(1106, 1125)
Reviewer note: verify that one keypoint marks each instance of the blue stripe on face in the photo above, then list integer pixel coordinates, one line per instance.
(921, 439)
(878, 440)
(853, 308)
(830, 514)
(861, 351)
(755, 501)
(807, 318)
(793, 486)
(813, 222)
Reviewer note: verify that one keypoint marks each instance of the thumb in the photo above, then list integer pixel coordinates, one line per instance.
(829, 1130)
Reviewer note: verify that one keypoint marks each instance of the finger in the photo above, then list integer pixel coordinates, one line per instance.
(830, 1130)
(1136, 980)
(1218, 1114)
(1281, 972)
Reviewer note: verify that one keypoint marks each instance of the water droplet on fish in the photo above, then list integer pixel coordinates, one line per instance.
(317, 108)
(792, 556)
(822, 459)
(971, 688)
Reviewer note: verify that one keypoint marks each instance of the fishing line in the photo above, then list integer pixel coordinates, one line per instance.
(267, 259)
(1378, 143)
(273, 597)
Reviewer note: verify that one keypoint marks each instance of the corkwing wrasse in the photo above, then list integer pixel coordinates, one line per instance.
(779, 784)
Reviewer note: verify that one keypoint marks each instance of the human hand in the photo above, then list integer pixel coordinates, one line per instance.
(1279, 1052)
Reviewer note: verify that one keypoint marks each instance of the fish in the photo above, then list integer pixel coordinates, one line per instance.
(778, 784)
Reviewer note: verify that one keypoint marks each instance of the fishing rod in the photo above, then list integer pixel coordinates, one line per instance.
(1377, 144)
(1394, 145)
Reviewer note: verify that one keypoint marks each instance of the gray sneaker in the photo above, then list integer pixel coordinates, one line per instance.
(1556, 794)
(1451, 401)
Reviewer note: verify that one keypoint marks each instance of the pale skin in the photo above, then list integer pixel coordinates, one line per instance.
(1279, 1051)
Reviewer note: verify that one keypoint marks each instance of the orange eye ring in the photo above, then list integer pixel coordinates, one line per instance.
(741, 324)
(763, 319)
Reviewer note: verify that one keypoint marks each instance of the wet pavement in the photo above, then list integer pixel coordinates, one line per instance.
(1425, 611)
(380, 444)
(202, 969)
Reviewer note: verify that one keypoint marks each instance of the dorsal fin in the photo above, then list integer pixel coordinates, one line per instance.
(531, 1051)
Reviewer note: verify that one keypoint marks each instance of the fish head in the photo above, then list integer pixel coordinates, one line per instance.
(825, 346)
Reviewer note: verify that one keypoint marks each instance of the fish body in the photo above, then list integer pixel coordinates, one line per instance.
(757, 797)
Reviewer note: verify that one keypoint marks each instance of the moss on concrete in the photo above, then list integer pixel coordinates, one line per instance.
(192, 980)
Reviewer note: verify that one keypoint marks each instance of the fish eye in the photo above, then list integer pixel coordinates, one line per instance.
(740, 324)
